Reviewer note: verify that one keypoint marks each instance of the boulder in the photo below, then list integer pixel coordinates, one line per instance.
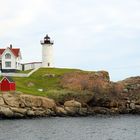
(19, 110)
(132, 105)
(137, 107)
(61, 111)
(72, 103)
(48, 103)
(114, 110)
(113, 104)
(138, 102)
(136, 110)
(40, 113)
(36, 101)
(123, 108)
(11, 99)
(72, 107)
(101, 110)
(18, 115)
(50, 112)
(38, 110)
(73, 111)
(83, 111)
(1, 101)
(30, 113)
(30, 101)
(5, 111)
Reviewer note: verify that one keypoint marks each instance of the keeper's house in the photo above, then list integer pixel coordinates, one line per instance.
(10, 59)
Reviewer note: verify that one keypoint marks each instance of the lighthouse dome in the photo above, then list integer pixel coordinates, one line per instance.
(46, 40)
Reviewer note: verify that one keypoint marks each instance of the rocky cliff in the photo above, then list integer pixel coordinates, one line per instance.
(107, 97)
(101, 96)
(21, 105)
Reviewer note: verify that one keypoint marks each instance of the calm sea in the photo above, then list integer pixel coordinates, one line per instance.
(71, 128)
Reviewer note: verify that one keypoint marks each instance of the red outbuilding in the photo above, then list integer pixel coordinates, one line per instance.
(7, 84)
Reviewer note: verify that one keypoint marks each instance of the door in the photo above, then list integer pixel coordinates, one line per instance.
(23, 67)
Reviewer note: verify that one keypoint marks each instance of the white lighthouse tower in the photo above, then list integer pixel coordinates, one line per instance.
(47, 52)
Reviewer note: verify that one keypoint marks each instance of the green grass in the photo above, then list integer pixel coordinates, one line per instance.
(48, 79)
(27, 71)
(45, 78)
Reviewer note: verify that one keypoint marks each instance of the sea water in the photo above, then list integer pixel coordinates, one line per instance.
(124, 127)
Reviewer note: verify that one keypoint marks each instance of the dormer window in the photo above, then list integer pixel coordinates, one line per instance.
(7, 56)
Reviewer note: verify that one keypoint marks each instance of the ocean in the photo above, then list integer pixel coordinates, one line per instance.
(122, 127)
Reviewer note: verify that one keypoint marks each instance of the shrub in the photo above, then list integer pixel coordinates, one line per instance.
(60, 96)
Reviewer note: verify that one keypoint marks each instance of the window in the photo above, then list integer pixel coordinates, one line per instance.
(7, 64)
(7, 56)
(48, 64)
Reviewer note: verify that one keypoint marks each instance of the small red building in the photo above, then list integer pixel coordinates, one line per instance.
(7, 84)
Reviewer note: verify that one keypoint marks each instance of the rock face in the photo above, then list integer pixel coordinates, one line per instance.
(108, 97)
(33, 106)
(91, 81)
(131, 85)
(21, 105)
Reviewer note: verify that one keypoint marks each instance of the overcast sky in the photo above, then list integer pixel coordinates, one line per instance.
(87, 34)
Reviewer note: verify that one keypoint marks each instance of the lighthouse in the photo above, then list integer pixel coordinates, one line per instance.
(47, 52)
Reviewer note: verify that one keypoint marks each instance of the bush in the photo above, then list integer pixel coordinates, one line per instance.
(60, 96)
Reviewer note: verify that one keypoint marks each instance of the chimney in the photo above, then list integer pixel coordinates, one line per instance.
(10, 46)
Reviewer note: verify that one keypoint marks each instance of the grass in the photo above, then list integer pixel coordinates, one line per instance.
(45, 78)
(48, 79)
(26, 72)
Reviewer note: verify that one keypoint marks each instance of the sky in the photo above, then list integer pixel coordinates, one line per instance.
(88, 34)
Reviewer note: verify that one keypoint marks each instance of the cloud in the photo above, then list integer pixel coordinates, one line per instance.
(18, 14)
(88, 34)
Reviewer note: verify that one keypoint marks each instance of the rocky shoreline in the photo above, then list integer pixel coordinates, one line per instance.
(79, 94)
(14, 105)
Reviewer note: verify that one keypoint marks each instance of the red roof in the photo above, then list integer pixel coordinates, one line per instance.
(1, 51)
(10, 80)
(15, 51)
(7, 84)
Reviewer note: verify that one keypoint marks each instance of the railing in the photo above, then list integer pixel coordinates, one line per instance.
(47, 42)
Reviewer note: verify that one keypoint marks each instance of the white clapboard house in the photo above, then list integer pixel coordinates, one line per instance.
(10, 59)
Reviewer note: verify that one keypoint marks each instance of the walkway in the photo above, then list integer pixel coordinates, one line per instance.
(19, 74)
